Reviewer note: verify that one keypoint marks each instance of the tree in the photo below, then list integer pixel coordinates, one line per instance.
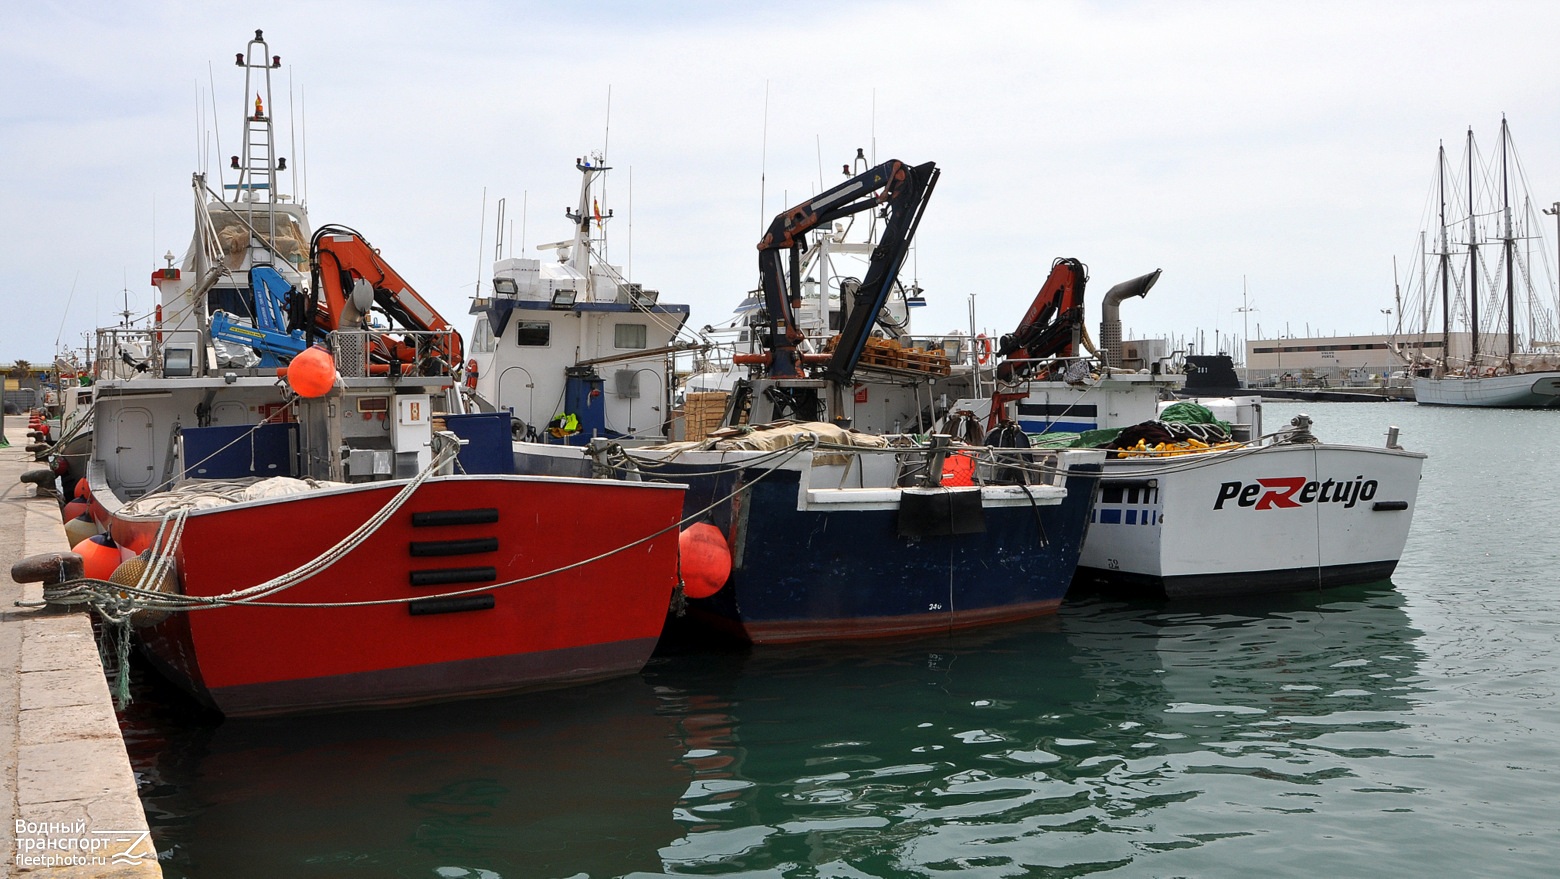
(21, 369)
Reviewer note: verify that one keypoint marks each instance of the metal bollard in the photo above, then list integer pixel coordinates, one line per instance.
(49, 568)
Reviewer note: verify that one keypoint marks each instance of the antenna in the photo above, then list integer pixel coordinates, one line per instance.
(126, 313)
(200, 126)
(630, 264)
(525, 198)
(215, 126)
(763, 162)
(600, 230)
(818, 140)
(498, 232)
(874, 127)
(481, 233)
(303, 158)
(61, 331)
(607, 134)
(292, 133)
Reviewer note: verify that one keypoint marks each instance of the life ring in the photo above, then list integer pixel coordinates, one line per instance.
(1489, 372)
(471, 374)
(982, 349)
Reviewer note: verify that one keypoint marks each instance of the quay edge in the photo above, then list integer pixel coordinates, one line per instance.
(67, 775)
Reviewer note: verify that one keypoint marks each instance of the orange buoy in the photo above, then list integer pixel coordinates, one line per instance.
(706, 560)
(959, 469)
(100, 556)
(74, 509)
(83, 490)
(312, 373)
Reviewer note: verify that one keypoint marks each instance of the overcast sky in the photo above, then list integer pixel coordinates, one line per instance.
(1289, 144)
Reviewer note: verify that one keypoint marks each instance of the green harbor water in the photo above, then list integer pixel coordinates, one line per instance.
(1408, 728)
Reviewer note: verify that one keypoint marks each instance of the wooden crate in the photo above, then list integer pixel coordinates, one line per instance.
(703, 413)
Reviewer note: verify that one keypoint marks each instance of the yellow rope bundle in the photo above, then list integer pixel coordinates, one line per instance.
(1170, 450)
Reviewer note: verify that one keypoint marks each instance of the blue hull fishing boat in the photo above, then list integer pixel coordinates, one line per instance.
(825, 545)
(834, 533)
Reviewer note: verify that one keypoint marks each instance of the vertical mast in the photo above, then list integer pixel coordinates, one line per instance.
(1473, 265)
(580, 246)
(256, 172)
(1445, 260)
(1510, 245)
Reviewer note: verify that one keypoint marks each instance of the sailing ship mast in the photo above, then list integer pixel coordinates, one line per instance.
(1445, 260)
(1473, 265)
(1509, 241)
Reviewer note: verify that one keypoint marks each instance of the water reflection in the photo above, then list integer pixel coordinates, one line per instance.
(1081, 744)
(1115, 736)
(562, 783)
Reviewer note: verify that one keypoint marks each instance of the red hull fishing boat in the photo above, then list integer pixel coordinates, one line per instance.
(350, 536)
(416, 609)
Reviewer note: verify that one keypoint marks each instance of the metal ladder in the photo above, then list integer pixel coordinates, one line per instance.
(256, 168)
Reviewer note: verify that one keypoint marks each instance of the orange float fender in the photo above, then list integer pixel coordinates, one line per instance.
(312, 373)
(99, 556)
(706, 560)
(73, 509)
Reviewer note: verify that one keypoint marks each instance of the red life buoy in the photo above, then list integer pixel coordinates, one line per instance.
(471, 374)
(983, 348)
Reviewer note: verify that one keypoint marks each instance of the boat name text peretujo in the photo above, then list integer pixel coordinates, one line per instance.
(1294, 491)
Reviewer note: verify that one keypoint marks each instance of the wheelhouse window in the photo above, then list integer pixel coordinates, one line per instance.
(484, 337)
(629, 335)
(533, 333)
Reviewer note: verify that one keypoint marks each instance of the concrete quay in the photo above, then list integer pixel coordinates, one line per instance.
(68, 801)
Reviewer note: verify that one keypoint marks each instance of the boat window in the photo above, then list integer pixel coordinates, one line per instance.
(483, 333)
(533, 333)
(236, 301)
(628, 335)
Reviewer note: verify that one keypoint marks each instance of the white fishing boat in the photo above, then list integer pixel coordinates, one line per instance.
(572, 349)
(1194, 510)
(1497, 343)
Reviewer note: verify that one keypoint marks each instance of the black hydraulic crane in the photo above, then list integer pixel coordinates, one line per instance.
(902, 191)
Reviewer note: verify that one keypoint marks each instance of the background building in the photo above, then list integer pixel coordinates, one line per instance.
(1342, 360)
